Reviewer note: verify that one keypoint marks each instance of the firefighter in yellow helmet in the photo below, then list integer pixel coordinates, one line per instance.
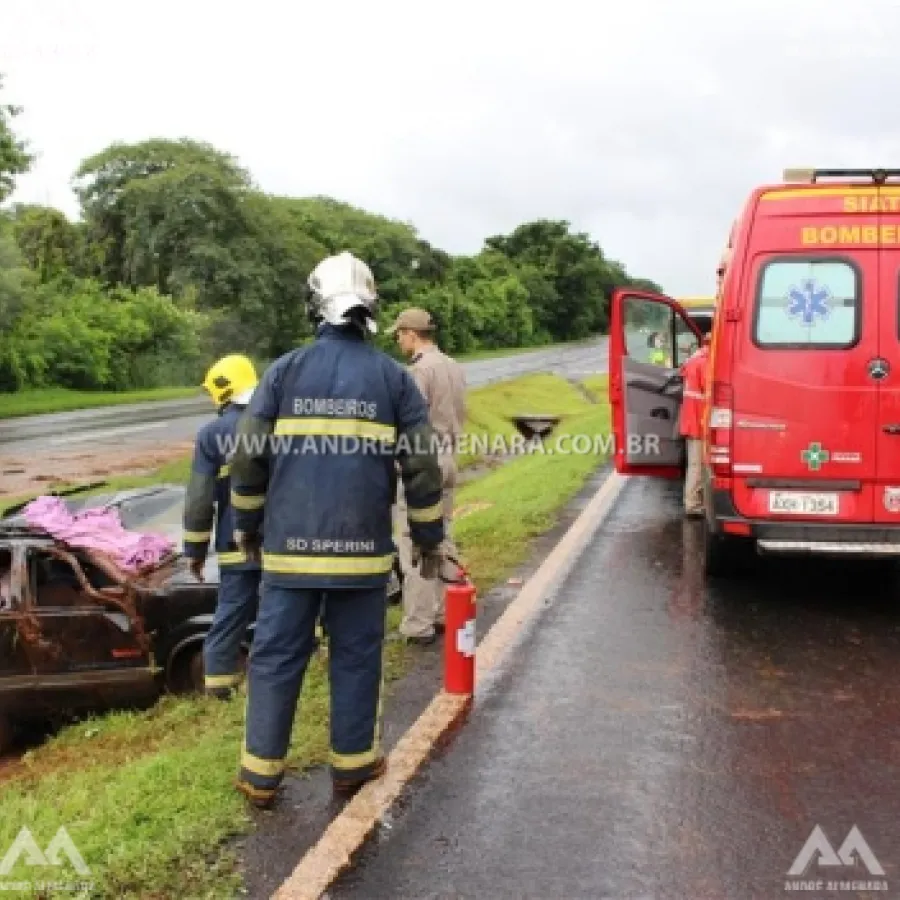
(230, 383)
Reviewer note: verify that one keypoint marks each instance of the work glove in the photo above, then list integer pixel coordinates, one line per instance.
(428, 559)
(196, 566)
(249, 543)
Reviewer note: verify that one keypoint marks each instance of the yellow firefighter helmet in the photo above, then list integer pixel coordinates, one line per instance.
(231, 380)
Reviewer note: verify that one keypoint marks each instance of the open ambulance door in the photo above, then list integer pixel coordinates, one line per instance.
(650, 338)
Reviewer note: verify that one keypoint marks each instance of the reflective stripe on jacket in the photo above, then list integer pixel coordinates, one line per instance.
(694, 394)
(208, 496)
(315, 464)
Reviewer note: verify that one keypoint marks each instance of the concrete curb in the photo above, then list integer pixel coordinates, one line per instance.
(345, 836)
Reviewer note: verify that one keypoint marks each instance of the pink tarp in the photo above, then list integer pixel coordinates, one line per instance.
(97, 529)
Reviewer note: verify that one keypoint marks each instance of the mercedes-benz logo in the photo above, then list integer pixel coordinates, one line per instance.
(878, 368)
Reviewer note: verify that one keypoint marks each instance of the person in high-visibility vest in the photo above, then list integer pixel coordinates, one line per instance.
(691, 425)
(658, 356)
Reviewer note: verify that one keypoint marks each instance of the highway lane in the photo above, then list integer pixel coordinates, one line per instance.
(137, 426)
(656, 736)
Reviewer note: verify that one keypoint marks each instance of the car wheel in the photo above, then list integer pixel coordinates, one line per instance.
(188, 671)
(186, 675)
(724, 556)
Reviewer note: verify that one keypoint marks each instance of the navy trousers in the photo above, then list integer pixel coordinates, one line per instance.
(235, 610)
(282, 647)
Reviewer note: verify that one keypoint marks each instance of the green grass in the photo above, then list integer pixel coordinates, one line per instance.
(598, 386)
(51, 400)
(490, 409)
(520, 501)
(148, 797)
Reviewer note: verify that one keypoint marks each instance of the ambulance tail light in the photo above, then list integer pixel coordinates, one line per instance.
(721, 416)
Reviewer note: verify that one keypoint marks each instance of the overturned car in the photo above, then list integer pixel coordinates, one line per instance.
(79, 634)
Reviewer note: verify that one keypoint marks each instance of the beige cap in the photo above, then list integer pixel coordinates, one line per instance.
(413, 318)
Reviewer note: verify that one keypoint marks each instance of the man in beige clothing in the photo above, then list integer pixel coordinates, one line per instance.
(443, 385)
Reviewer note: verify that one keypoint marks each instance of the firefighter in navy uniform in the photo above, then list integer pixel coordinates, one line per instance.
(230, 383)
(323, 504)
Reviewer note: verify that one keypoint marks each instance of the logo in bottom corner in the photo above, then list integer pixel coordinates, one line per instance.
(892, 499)
(852, 867)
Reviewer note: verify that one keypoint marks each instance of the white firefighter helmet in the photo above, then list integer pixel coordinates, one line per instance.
(340, 285)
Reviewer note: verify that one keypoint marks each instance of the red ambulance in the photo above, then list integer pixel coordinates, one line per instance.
(802, 445)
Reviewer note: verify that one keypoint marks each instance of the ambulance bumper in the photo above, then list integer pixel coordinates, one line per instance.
(807, 538)
(827, 548)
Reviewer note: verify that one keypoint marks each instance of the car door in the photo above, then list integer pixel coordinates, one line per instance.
(650, 338)
(80, 634)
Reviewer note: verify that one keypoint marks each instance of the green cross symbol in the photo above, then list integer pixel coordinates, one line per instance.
(815, 456)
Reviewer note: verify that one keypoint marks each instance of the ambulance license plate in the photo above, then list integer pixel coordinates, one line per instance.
(803, 504)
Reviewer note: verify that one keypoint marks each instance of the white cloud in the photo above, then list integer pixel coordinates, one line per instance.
(645, 123)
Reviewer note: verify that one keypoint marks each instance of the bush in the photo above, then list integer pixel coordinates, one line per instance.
(74, 334)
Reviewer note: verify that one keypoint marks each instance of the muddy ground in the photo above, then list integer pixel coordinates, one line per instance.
(22, 474)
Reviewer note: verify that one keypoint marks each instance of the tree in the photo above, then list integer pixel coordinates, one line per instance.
(572, 264)
(160, 210)
(179, 258)
(401, 262)
(14, 279)
(14, 157)
(48, 241)
(644, 284)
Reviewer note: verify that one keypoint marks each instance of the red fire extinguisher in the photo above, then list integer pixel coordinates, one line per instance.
(459, 636)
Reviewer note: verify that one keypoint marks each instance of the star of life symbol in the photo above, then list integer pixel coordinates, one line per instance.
(808, 301)
(853, 853)
(815, 456)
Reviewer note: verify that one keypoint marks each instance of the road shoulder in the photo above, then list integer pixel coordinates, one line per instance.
(284, 836)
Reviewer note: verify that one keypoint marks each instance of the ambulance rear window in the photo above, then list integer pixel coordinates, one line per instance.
(807, 304)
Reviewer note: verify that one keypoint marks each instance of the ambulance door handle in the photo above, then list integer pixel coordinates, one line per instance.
(891, 429)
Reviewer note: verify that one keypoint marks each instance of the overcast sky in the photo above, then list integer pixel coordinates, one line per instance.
(643, 122)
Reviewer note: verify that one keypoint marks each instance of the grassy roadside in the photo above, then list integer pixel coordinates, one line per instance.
(51, 400)
(497, 515)
(147, 796)
(477, 355)
(491, 408)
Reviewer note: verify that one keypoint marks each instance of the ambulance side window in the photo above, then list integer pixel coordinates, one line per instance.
(807, 304)
(649, 331)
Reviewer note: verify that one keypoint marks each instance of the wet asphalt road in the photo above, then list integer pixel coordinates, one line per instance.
(657, 738)
(150, 424)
